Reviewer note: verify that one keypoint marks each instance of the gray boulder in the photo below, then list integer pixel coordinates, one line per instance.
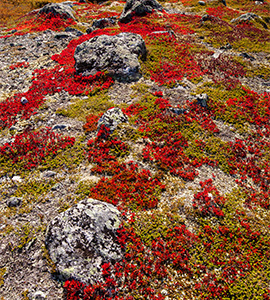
(138, 8)
(58, 9)
(111, 118)
(82, 238)
(118, 55)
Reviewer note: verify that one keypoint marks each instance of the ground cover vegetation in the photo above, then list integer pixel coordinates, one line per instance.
(212, 244)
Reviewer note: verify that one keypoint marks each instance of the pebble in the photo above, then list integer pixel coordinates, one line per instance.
(17, 178)
(38, 295)
(57, 186)
(202, 99)
(24, 100)
(14, 202)
(48, 174)
(59, 126)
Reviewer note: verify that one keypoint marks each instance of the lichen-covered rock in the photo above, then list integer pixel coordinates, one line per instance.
(104, 22)
(138, 8)
(58, 9)
(82, 238)
(118, 55)
(111, 118)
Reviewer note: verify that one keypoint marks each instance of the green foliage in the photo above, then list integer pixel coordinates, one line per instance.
(69, 158)
(2, 273)
(34, 188)
(80, 108)
(26, 233)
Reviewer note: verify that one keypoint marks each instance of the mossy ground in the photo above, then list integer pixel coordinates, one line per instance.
(231, 250)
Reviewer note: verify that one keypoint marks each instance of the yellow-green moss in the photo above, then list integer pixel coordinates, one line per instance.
(80, 108)
(68, 158)
(34, 188)
(2, 273)
(26, 233)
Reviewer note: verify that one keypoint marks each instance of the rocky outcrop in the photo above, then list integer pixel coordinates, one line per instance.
(138, 8)
(58, 9)
(118, 55)
(82, 238)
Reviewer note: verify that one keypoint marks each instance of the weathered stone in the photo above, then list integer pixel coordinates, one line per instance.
(111, 118)
(118, 55)
(58, 9)
(202, 100)
(48, 174)
(104, 22)
(60, 127)
(177, 110)
(82, 238)
(57, 186)
(138, 8)
(17, 178)
(245, 17)
(228, 46)
(24, 100)
(247, 56)
(39, 295)
(73, 31)
(14, 202)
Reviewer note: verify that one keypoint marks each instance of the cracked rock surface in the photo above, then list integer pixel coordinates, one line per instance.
(82, 238)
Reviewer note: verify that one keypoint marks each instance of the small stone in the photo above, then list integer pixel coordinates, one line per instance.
(61, 36)
(202, 100)
(14, 202)
(89, 30)
(49, 174)
(111, 118)
(17, 178)
(74, 31)
(164, 292)
(59, 126)
(226, 47)
(246, 17)
(177, 110)
(57, 186)
(217, 54)
(39, 295)
(24, 100)
(247, 56)
(104, 22)
(201, 2)
(205, 17)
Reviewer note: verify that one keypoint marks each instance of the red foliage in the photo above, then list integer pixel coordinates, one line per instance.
(19, 65)
(43, 22)
(130, 187)
(209, 201)
(31, 148)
